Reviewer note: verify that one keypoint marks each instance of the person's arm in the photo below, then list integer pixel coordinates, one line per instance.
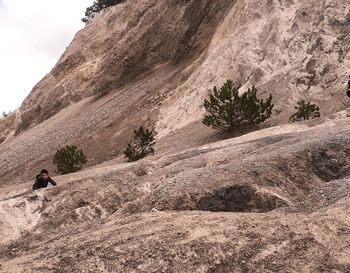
(35, 186)
(52, 181)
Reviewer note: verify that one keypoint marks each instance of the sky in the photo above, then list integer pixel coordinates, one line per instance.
(33, 35)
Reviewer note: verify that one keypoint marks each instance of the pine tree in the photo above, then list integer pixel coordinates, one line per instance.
(96, 7)
(306, 110)
(227, 110)
(142, 145)
(69, 159)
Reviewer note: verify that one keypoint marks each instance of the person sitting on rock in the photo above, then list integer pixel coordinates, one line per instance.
(42, 180)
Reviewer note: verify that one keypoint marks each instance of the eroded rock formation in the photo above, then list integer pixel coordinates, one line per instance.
(274, 200)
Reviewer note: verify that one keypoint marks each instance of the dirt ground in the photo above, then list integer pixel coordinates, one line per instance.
(274, 200)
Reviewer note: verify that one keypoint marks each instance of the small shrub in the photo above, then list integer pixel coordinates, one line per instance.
(69, 159)
(96, 7)
(143, 144)
(306, 110)
(227, 110)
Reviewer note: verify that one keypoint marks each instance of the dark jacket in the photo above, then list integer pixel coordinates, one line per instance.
(41, 183)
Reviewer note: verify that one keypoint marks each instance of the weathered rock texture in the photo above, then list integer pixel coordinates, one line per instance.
(287, 48)
(157, 60)
(121, 45)
(7, 126)
(275, 200)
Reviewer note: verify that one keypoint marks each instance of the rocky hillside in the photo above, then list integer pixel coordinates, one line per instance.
(276, 200)
(273, 200)
(121, 46)
(7, 124)
(154, 61)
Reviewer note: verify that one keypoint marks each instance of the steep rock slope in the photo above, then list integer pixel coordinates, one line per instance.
(119, 46)
(291, 49)
(159, 58)
(286, 47)
(275, 200)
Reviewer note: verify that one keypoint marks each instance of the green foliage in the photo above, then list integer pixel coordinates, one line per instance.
(69, 159)
(96, 7)
(142, 145)
(4, 114)
(227, 110)
(305, 111)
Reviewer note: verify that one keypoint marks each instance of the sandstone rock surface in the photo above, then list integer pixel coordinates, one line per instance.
(158, 59)
(274, 200)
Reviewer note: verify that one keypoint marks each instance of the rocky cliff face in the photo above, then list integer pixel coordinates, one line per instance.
(287, 48)
(7, 126)
(291, 49)
(152, 62)
(122, 45)
(274, 200)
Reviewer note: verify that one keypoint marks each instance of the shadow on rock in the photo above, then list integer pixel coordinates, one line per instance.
(240, 198)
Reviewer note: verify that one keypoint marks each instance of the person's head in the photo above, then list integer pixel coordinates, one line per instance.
(44, 174)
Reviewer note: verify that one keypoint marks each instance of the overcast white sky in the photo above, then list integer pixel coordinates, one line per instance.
(33, 35)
